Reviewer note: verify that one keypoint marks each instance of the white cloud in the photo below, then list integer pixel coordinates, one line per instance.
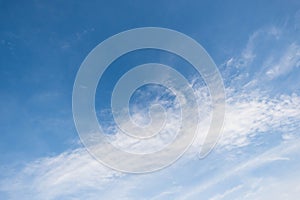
(248, 179)
(252, 113)
(66, 174)
(250, 52)
(226, 193)
(76, 173)
(274, 188)
(286, 63)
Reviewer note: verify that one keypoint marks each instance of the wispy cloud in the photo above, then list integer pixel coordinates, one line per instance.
(250, 51)
(66, 174)
(286, 63)
(226, 193)
(253, 113)
(243, 171)
(75, 172)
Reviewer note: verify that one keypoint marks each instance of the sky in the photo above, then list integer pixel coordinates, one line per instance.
(254, 44)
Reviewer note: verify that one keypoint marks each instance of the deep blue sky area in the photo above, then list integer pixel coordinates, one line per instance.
(255, 45)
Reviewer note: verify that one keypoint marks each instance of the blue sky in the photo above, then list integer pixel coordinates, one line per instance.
(255, 45)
